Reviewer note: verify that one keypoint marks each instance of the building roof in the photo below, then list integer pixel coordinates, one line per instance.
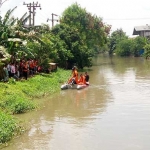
(137, 29)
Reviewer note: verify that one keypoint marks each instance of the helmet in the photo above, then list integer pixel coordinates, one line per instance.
(74, 67)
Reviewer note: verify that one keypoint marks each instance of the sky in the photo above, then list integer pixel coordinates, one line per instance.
(120, 14)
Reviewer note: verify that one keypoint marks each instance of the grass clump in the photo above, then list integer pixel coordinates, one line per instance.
(16, 104)
(8, 127)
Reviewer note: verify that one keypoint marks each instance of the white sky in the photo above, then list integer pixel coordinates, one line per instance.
(125, 14)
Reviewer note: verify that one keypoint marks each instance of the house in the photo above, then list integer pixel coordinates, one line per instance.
(142, 30)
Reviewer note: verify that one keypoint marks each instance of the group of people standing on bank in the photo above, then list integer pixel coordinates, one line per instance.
(21, 69)
(74, 79)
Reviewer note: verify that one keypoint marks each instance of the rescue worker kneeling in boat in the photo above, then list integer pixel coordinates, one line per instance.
(81, 80)
(74, 77)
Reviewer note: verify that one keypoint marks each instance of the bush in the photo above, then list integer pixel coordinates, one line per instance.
(124, 48)
(147, 51)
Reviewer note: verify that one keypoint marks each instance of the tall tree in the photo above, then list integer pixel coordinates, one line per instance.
(90, 33)
(138, 44)
(116, 37)
(92, 29)
(77, 52)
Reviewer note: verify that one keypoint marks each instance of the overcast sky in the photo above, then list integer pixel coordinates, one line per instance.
(125, 14)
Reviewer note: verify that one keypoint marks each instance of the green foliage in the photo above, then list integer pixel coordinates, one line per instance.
(16, 104)
(147, 51)
(10, 28)
(52, 49)
(35, 48)
(115, 38)
(4, 36)
(8, 19)
(8, 127)
(45, 64)
(13, 100)
(138, 44)
(83, 33)
(120, 44)
(5, 27)
(3, 54)
(104, 48)
(124, 48)
(45, 83)
(62, 53)
(76, 51)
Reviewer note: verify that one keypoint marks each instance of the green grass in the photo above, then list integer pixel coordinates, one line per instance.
(8, 127)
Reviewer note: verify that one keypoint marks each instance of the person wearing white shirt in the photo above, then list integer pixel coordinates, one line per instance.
(13, 70)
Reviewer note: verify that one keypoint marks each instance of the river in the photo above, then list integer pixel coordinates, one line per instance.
(113, 113)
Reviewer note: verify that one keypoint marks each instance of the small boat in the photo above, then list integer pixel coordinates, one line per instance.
(81, 86)
(74, 86)
(68, 86)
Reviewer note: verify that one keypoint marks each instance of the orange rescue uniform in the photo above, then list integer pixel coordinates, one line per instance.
(74, 76)
(82, 80)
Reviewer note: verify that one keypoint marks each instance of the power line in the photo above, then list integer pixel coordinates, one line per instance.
(40, 17)
(127, 19)
(43, 15)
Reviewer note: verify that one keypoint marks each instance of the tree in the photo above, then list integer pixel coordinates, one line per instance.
(138, 44)
(116, 37)
(83, 34)
(124, 47)
(12, 31)
(76, 52)
(147, 51)
(93, 31)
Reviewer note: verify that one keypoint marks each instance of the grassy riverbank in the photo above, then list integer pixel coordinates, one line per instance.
(19, 97)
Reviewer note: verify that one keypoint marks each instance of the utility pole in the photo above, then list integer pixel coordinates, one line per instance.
(32, 8)
(53, 19)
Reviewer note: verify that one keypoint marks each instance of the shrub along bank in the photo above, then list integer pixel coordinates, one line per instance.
(19, 97)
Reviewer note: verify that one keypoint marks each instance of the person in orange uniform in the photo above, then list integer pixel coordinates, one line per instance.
(74, 77)
(81, 79)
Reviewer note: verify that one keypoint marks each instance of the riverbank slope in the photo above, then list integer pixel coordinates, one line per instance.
(20, 97)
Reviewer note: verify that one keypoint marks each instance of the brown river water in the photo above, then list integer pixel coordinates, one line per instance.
(113, 113)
